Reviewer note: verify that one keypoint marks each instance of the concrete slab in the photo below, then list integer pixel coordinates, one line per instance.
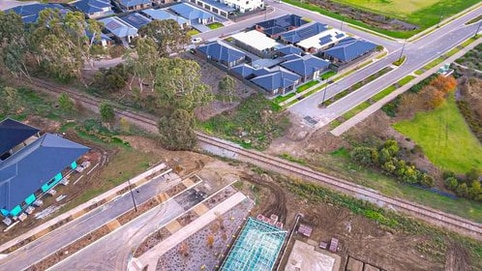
(354, 265)
(201, 209)
(304, 257)
(188, 182)
(114, 224)
(173, 226)
(370, 268)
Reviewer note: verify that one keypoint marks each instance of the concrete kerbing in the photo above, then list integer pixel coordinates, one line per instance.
(79, 210)
(345, 126)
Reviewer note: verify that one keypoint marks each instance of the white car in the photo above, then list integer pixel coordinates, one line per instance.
(196, 40)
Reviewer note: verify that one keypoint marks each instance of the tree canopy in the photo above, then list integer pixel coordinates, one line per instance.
(167, 34)
(178, 84)
(176, 131)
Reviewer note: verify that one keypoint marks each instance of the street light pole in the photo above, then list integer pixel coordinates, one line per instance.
(132, 194)
(324, 93)
(477, 31)
(403, 48)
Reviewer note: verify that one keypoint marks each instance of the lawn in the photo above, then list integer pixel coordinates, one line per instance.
(215, 25)
(445, 138)
(306, 86)
(423, 13)
(193, 32)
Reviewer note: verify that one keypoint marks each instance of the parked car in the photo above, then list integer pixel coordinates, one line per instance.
(197, 40)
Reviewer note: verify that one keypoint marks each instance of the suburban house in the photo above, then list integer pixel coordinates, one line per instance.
(244, 6)
(243, 71)
(276, 26)
(275, 81)
(159, 14)
(30, 166)
(309, 67)
(192, 14)
(256, 42)
(94, 8)
(129, 5)
(135, 19)
(30, 13)
(321, 41)
(119, 30)
(306, 31)
(288, 50)
(348, 50)
(221, 53)
(163, 2)
(216, 7)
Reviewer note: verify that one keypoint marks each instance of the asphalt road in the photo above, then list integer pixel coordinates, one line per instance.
(41, 248)
(280, 9)
(116, 248)
(418, 54)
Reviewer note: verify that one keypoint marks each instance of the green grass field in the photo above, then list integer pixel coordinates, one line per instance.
(423, 13)
(445, 138)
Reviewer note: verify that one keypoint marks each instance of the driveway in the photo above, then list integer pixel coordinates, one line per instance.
(8, 4)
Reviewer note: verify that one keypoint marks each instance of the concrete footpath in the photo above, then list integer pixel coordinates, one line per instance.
(151, 257)
(79, 211)
(347, 125)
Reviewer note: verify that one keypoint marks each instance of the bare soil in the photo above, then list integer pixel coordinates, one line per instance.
(359, 237)
(370, 18)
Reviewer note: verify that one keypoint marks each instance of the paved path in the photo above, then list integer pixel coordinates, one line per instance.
(345, 126)
(113, 251)
(44, 246)
(151, 257)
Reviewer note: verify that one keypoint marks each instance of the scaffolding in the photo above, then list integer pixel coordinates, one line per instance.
(256, 248)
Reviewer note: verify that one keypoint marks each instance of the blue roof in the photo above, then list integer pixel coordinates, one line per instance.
(306, 65)
(219, 52)
(27, 170)
(118, 27)
(159, 14)
(132, 3)
(349, 49)
(289, 49)
(135, 19)
(30, 13)
(92, 6)
(244, 70)
(275, 78)
(219, 5)
(281, 24)
(189, 12)
(13, 133)
(304, 32)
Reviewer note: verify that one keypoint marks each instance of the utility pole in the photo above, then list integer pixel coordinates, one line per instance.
(324, 93)
(403, 48)
(132, 194)
(440, 17)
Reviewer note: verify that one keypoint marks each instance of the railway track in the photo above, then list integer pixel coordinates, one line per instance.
(434, 216)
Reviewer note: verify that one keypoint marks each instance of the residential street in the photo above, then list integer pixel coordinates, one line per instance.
(41, 248)
(418, 54)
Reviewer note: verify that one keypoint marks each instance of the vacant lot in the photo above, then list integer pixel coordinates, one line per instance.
(445, 138)
(423, 13)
